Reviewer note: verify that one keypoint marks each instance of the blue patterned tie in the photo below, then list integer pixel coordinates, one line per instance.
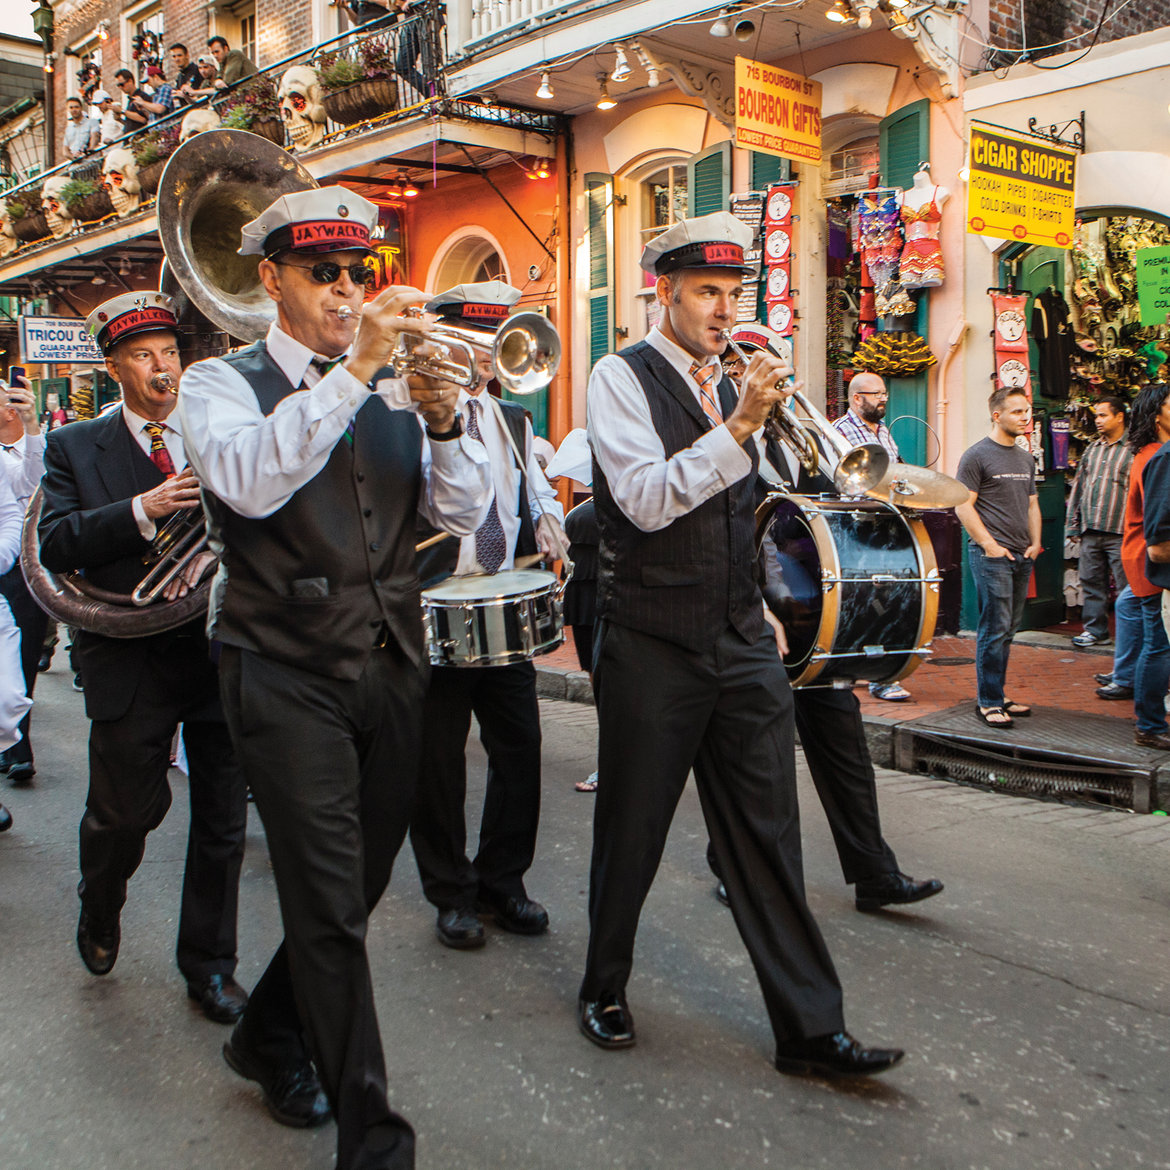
(490, 545)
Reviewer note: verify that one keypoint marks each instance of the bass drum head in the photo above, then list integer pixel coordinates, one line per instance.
(790, 564)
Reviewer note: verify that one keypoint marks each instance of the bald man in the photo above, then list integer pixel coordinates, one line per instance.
(862, 423)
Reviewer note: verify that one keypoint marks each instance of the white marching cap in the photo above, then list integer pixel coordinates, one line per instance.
(322, 219)
(485, 304)
(717, 240)
(130, 313)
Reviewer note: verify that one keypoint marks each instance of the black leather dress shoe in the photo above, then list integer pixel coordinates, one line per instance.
(221, 999)
(460, 928)
(606, 1021)
(519, 914)
(835, 1055)
(894, 889)
(21, 775)
(721, 895)
(1151, 739)
(1113, 690)
(1103, 679)
(292, 1094)
(5, 819)
(98, 942)
(46, 660)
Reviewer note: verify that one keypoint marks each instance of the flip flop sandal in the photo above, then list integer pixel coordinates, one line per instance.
(986, 716)
(1019, 710)
(589, 785)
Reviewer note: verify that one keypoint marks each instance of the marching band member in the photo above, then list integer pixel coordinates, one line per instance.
(523, 517)
(687, 671)
(14, 702)
(828, 719)
(312, 482)
(108, 482)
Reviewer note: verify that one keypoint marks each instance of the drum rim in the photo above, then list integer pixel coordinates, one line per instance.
(531, 591)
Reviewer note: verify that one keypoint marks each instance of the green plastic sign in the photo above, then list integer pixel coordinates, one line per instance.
(1153, 284)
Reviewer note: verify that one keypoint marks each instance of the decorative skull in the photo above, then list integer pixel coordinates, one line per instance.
(197, 121)
(56, 213)
(120, 173)
(8, 241)
(302, 106)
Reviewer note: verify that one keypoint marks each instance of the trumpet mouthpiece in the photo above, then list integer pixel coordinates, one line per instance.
(164, 381)
(345, 312)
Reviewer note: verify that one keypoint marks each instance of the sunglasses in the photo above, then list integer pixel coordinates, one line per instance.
(327, 272)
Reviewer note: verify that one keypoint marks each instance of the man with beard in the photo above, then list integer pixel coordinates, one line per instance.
(862, 423)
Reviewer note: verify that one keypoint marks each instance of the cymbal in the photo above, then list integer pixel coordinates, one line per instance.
(908, 486)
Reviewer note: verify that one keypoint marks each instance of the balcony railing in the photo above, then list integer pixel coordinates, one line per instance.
(492, 17)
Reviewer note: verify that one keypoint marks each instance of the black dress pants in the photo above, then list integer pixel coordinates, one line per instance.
(129, 795)
(503, 699)
(32, 621)
(332, 766)
(728, 712)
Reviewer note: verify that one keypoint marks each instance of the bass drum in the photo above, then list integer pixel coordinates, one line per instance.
(854, 583)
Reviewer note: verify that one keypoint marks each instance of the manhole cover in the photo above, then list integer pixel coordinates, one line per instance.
(950, 661)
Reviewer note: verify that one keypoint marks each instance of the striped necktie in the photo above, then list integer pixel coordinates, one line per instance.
(159, 455)
(705, 376)
(490, 545)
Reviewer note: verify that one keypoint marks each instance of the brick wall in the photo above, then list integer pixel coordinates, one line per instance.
(1046, 22)
(282, 28)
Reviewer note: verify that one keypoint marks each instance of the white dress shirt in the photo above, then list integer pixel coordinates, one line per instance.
(256, 462)
(173, 437)
(13, 701)
(650, 489)
(24, 461)
(506, 482)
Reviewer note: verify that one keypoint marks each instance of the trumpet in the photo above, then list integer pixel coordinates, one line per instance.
(525, 352)
(858, 469)
(164, 380)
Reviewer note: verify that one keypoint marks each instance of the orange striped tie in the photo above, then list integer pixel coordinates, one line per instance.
(705, 376)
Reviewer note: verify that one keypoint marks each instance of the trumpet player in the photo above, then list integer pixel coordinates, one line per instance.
(524, 517)
(313, 478)
(109, 482)
(686, 671)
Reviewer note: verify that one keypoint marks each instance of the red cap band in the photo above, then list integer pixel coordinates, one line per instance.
(746, 337)
(139, 321)
(337, 234)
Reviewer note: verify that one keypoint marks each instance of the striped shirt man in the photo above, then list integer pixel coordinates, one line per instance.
(858, 431)
(1097, 503)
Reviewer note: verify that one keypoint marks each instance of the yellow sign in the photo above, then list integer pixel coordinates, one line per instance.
(777, 112)
(1020, 189)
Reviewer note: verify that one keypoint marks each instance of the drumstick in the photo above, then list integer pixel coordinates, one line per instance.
(527, 562)
(431, 541)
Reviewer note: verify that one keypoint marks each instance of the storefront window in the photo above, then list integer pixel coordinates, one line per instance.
(147, 45)
(664, 199)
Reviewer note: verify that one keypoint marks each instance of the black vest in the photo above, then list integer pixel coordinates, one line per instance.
(689, 581)
(312, 584)
(440, 560)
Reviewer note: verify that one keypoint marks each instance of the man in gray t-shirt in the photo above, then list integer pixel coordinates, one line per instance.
(1002, 519)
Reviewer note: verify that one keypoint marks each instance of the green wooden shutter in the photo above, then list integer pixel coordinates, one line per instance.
(904, 144)
(599, 227)
(709, 180)
(768, 169)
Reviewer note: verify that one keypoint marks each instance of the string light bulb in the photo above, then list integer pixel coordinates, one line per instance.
(546, 90)
(604, 102)
(621, 69)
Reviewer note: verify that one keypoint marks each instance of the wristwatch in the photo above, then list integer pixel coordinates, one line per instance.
(454, 433)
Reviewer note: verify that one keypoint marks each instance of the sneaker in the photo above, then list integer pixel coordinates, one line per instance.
(1085, 640)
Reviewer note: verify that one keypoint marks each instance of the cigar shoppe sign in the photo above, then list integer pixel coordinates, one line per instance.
(777, 112)
(1020, 188)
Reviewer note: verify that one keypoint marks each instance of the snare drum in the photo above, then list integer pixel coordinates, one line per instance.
(855, 584)
(493, 620)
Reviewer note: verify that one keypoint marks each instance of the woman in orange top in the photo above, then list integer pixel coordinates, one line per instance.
(1143, 652)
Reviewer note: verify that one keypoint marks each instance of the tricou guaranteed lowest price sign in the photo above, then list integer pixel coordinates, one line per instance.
(1020, 188)
(57, 339)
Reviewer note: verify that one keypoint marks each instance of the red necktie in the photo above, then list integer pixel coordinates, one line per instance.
(159, 455)
(705, 376)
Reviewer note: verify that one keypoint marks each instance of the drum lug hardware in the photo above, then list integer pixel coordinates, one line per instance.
(882, 577)
(873, 651)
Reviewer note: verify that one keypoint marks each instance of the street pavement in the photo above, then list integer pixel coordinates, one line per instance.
(1031, 996)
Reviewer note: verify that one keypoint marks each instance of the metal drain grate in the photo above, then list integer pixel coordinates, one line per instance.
(1025, 777)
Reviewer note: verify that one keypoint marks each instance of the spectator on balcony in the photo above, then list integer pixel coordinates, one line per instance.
(161, 100)
(133, 115)
(233, 65)
(109, 125)
(413, 43)
(374, 13)
(204, 87)
(82, 134)
(186, 71)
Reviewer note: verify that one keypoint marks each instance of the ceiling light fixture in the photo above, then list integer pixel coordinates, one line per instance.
(864, 15)
(648, 63)
(546, 90)
(125, 268)
(406, 187)
(621, 69)
(722, 26)
(841, 12)
(744, 30)
(604, 102)
(98, 278)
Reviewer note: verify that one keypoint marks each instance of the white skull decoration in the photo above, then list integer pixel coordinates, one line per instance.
(302, 107)
(197, 121)
(120, 173)
(8, 241)
(56, 213)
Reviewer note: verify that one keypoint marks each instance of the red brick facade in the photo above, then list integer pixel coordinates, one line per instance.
(1046, 23)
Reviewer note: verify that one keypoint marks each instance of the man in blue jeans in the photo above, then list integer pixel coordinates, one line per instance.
(1002, 519)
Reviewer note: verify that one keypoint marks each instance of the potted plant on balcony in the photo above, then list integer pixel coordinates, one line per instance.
(28, 220)
(361, 86)
(254, 106)
(151, 151)
(87, 201)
